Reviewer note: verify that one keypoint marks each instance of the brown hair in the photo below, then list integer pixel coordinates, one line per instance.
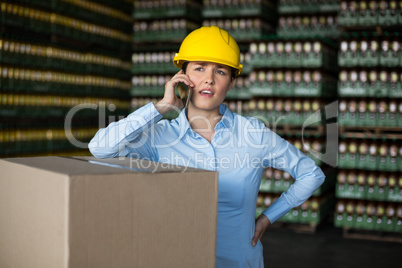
(232, 70)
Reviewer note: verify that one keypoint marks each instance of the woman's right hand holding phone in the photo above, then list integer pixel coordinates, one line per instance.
(170, 101)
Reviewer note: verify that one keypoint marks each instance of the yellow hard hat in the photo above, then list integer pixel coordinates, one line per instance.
(209, 43)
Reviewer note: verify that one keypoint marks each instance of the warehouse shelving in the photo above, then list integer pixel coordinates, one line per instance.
(293, 78)
(369, 86)
(159, 28)
(56, 55)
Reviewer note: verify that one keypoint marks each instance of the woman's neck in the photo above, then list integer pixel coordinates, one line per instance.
(203, 122)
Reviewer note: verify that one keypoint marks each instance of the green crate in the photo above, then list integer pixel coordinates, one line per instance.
(313, 89)
(347, 59)
(348, 119)
(293, 60)
(285, 32)
(348, 18)
(339, 219)
(380, 223)
(368, 162)
(398, 226)
(329, 6)
(394, 194)
(278, 60)
(265, 10)
(391, 119)
(266, 185)
(297, 119)
(258, 60)
(347, 160)
(294, 215)
(284, 89)
(378, 89)
(369, 59)
(361, 222)
(259, 211)
(309, 6)
(312, 60)
(349, 221)
(399, 15)
(369, 222)
(353, 89)
(389, 59)
(305, 216)
(290, 118)
(289, 8)
(368, 18)
(382, 120)
(388, 17)
(263, 89)
(279, 115)
(389, 163)
(363, 119)
(170, 12)
(391, 224)
(341, 191)
(395, 90)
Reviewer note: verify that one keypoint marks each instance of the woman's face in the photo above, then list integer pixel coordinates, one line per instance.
(211, 83)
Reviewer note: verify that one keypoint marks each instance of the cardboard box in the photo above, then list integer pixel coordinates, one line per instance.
(87, 212)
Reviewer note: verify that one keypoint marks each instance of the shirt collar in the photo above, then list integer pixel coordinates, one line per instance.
(225, 122)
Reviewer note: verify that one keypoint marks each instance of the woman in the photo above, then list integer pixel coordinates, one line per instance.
(208, 135)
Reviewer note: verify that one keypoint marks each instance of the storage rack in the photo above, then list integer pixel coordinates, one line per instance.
(294, 76)
(369, 183)
(56, 55)
(159, 28)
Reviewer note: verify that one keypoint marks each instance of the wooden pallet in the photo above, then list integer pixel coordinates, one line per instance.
(298, 130)
(305, 228)
(370, 132)
(372, 235)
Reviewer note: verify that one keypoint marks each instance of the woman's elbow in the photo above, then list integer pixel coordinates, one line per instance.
(98, 151)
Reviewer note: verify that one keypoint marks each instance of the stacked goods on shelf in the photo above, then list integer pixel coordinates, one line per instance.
(370, 67)
(277, 181)
(277, 111)
(280, 71)
(369, 181)
(159, 28)
(370, 154)
(312, 212)
(369, 215)
(164, 20)
(370, 185)
(61, 62)
(369, 13)
(245, 20)
(293, 78)
(308, 19)
(371, 112)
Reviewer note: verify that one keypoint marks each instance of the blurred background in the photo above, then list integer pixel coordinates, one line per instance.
(70, 67)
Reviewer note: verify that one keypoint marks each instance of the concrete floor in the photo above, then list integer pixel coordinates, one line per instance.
(327, 248)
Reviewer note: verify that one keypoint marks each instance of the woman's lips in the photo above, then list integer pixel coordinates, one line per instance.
(206, 93)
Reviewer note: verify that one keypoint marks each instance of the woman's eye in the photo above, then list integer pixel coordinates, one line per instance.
(221, 72)
(199, 69)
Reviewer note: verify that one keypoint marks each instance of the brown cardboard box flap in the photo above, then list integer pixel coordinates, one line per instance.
(69, 212)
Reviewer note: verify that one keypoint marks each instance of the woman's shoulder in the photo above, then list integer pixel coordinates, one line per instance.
(248, 120)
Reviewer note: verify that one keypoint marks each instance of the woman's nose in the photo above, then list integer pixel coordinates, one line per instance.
(209, 77)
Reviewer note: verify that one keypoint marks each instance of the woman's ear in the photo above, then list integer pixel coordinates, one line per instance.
(231, 83)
